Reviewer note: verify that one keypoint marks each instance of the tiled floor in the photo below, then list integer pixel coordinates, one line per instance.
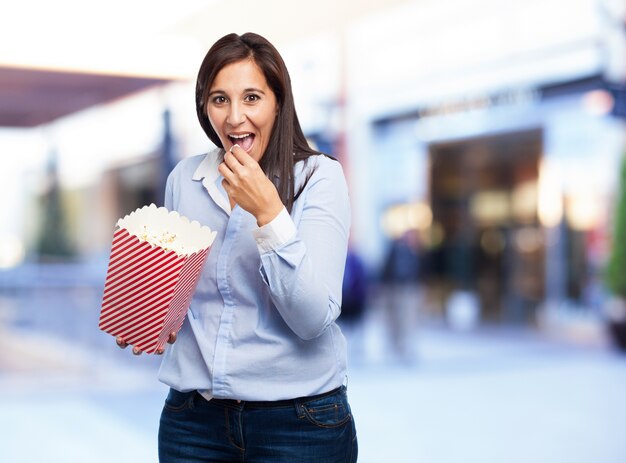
(494, 396)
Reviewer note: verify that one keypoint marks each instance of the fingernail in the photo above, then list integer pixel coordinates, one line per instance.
(231, 148)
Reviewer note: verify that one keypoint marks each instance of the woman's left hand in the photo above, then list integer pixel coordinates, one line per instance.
(121, 342)
(246, 184)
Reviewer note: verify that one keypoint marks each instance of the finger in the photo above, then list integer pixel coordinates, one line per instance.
(159, 351)
(226, 172)
(242, 156)
(137, 351)
(120, 342)
(227, 187)
(232, 161)
(172, 337)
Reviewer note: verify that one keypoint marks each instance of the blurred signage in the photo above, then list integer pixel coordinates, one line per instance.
(476, 102)
(466, 104)
(516, 97)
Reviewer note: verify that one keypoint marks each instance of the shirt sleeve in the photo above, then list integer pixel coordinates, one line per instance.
(276, 233)
(303, 269)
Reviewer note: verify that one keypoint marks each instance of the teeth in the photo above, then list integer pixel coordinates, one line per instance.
(240, 136)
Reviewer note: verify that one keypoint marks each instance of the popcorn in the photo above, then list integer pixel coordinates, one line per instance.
(156, 261)
(168, 230)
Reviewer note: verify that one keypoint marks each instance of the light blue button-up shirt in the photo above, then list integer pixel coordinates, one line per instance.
(261, 325)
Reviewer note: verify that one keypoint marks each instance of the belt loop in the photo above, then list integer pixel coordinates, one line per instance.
(299, 408)
(191, 400)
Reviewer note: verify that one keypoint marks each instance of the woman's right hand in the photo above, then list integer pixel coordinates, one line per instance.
(136, 351)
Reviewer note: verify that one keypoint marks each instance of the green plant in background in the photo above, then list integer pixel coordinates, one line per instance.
(616, 270)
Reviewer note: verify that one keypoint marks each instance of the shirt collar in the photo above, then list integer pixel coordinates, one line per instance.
(208, 166)
(209, 175)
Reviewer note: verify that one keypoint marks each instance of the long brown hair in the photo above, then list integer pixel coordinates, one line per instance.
(287, 143)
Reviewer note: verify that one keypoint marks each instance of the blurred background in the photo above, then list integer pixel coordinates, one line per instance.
(484, 145)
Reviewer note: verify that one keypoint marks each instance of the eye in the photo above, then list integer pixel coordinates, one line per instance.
(218, 99)
(251, 98)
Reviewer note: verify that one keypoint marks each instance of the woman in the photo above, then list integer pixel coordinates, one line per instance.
(257, 372)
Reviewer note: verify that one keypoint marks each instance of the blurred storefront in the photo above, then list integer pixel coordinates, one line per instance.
(502, 121)
(493, 130)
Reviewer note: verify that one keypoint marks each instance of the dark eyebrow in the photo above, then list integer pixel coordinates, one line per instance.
(247, 90)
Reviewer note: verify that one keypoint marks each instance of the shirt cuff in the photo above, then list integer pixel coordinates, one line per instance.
(276, 233)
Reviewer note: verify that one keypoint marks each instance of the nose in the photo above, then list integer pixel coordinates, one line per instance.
(236, 115)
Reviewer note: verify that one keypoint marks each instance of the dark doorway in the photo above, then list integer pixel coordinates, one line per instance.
(484, 194)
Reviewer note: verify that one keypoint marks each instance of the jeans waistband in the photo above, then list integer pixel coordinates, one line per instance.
(273, 403)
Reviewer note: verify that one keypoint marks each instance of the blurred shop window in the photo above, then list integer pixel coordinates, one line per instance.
(324, 143)
(135, 185)
(52, 240)
(615, 99)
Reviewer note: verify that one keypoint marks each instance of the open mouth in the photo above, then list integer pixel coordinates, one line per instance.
(245, 140)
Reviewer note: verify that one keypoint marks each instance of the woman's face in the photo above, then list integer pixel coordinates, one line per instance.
(242, 108)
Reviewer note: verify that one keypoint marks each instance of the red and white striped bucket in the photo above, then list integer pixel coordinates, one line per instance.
(148, 289)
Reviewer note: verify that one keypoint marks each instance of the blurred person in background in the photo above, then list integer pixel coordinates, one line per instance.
(353, 301)
(257, 373)
(401, 293)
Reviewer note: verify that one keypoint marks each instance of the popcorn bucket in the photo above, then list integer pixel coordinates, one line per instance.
(156, 261)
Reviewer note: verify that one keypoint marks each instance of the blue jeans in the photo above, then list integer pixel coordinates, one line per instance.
(317, 429)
